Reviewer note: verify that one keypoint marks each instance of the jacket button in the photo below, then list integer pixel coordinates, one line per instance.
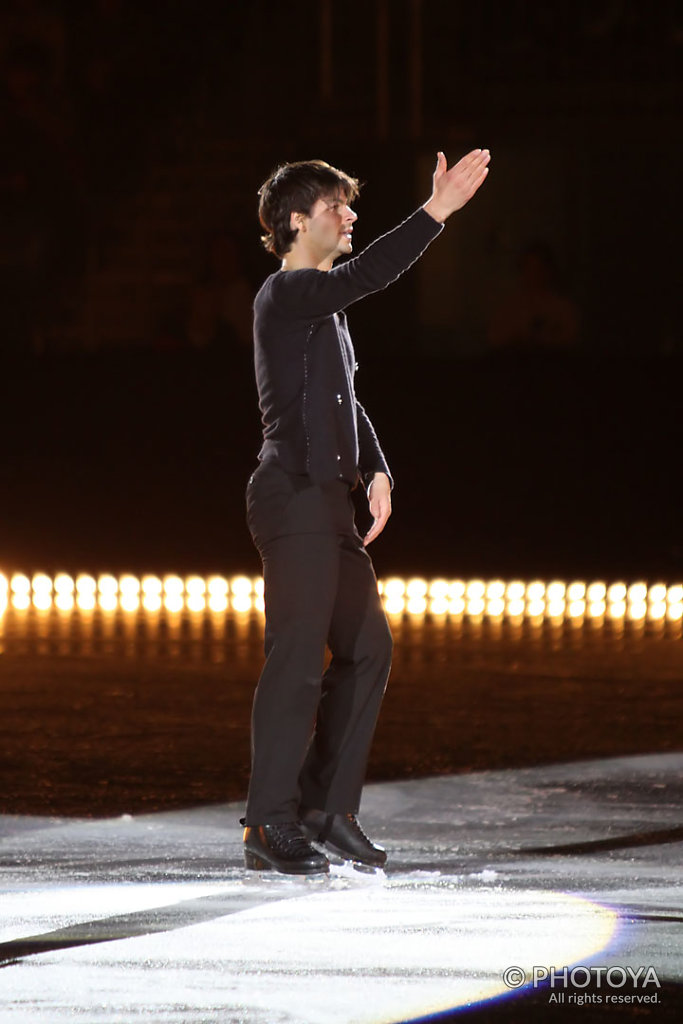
(340, 400)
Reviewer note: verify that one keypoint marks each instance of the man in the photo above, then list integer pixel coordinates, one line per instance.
(311, 730)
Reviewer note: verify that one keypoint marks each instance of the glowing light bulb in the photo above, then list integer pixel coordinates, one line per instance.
(596, 609)
(129, 586)
(674, 595)
(129, 600)
(20, 584)
(515, 608)
(173, 585)
(86, 584)
(217, 586)
(64, 584)
(151, 601)
(535, 591)
(637, 610)
(475, 606)
(195, 587)
(456, 606)
(675, 611)
(495, 590)
(42, 599)
(151, 587)
(616, 593)
(173, 600)
(64, 600)
(240, 586)
(417, 605)
(495, 607)
(218, 602)
(259, 604)
(107, 584)
(393, 605)
(456, 589)
(515, 590)
(657, 610)
(576, 591)
(41, 584)
(555, 591)
(637, 593)
(85, 600)
(657, 593)
(439, 606)
(259, 586)
(394, 587)
(475, 590)
(535, 607)
(556, 608)
(438, 589)
(241, 602)
(576, 609)
(416, 588)
(617, 609)
(196, 602)
(595, 592)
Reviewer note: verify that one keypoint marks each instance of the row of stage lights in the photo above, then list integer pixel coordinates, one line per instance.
(131, 593)
(494, 599)
(537, 600)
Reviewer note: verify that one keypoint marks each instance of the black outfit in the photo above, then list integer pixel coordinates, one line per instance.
(311, 732)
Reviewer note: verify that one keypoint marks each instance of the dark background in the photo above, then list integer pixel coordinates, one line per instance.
(134, 139)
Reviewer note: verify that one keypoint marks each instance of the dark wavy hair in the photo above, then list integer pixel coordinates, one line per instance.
(295, 188)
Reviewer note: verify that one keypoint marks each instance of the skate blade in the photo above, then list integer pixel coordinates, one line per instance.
(352, 872)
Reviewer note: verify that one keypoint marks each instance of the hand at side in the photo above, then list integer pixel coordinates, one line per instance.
(379, 499)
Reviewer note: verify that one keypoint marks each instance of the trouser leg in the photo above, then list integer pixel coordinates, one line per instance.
(352, 688)
(300, 574)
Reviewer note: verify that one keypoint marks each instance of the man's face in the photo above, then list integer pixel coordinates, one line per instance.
(329, 228)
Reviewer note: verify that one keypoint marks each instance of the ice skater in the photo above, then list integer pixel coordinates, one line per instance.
(312, 729)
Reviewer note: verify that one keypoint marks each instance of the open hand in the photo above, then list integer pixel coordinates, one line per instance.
(379, 499)
(451, 189)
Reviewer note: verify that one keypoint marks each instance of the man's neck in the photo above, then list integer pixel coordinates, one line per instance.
(301, 260)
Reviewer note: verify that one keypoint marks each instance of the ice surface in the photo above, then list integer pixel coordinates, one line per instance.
(154, 918)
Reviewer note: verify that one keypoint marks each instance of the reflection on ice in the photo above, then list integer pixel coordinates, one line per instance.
(356, 949)
(152, 917)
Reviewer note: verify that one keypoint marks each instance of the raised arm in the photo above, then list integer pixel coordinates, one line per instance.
(310, 294)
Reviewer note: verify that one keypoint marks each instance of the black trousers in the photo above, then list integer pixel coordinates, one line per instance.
(312, 728)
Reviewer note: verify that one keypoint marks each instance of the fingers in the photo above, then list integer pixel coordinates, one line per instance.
(472, 165)
(441, 165)
(468, 175)
(381, 512)
(374, 531)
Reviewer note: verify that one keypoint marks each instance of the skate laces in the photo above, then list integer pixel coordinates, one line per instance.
(288, 834)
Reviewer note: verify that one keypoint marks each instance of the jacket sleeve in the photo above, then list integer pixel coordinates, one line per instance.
(309, 294)
(371, 457)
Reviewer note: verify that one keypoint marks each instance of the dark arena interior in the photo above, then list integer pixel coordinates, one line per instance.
(524, 376)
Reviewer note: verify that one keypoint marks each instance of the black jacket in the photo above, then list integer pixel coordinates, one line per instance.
(305, 363)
